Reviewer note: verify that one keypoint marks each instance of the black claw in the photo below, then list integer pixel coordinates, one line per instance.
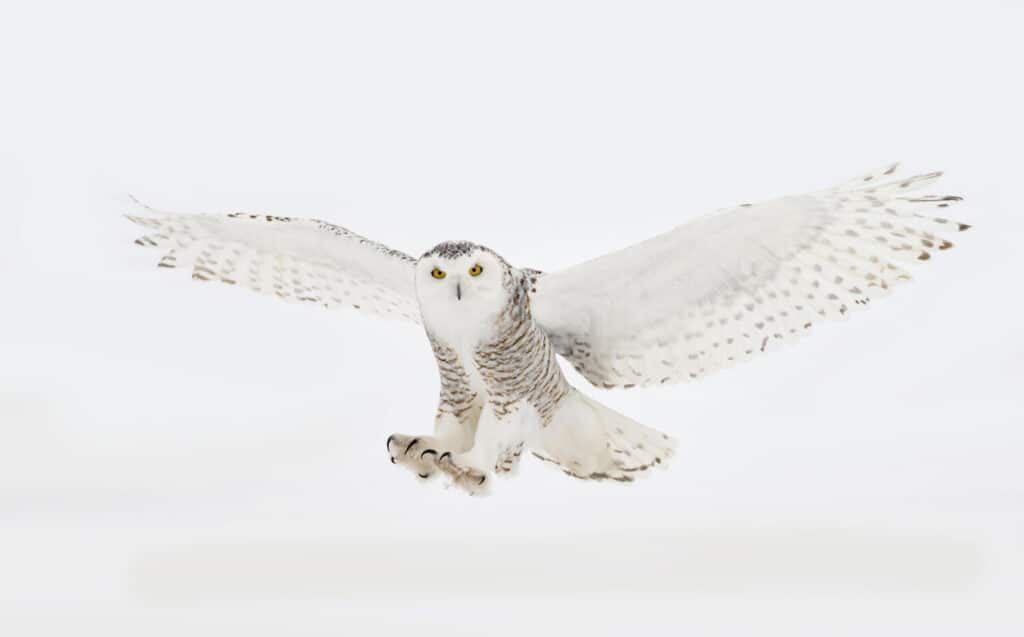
(392, 460)
(444, 455)
(424, 475)
(426, 452)
(411, 443)
(482, 478)
(390, 438)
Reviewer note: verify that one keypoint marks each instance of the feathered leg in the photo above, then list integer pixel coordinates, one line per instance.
(497, 447)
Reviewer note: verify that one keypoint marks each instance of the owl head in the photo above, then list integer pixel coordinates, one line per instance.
(461, 281)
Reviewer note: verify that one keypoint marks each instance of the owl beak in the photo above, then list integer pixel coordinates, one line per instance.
(458, 291)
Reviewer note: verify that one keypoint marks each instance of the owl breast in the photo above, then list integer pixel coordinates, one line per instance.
(455, 335)
(503, 367)
(519, 367)
(491, 353)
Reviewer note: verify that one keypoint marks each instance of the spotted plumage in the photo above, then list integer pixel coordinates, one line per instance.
(718, 290)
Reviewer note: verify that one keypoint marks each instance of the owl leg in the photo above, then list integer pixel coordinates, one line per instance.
(508, 459)
(497, 447)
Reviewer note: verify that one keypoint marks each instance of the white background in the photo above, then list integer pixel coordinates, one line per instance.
(186, 459)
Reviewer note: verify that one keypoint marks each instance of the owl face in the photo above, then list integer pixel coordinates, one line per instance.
(460, 282)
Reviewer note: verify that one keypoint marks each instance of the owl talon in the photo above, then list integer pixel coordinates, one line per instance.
(403, 451)
(410, 445)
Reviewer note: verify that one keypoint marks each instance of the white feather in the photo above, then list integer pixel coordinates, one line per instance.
(730, 284)
(302, 260)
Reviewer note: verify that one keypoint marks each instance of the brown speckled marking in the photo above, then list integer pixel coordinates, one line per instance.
(215, 249)
(518, 364)
(508, 458)
(850, 249)
(457, 397)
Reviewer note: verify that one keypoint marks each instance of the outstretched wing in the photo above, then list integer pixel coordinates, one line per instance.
(303, 260)
(731, 284)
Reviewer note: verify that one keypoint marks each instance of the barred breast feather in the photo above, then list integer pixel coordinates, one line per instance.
(517, 362)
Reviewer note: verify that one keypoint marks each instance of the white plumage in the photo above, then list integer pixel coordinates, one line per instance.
(300, 260)
(728, 285)
(717, 290)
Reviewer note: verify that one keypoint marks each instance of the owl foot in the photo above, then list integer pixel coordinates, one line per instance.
(468, 478)
(416, 453)
(508, 459)
(427, 457)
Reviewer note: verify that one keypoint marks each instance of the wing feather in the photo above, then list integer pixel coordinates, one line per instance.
(737, 282)
(298, 260)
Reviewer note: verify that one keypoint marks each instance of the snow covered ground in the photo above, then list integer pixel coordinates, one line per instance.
(178, 458)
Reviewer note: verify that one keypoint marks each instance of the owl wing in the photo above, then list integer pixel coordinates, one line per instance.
(734, 283)
(301, 260)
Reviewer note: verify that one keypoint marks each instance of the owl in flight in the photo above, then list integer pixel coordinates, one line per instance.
(717, 290)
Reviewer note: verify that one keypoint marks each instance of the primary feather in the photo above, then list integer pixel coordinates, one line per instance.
(727, 286)
(302, 260)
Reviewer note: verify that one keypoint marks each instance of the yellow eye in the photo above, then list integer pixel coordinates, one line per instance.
(437, 273)
(475, 270)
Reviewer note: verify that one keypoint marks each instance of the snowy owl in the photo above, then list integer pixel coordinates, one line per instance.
(717, 290)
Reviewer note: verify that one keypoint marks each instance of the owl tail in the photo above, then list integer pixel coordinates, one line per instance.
(592, 442)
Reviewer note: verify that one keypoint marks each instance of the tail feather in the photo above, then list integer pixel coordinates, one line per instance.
(592, 442)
